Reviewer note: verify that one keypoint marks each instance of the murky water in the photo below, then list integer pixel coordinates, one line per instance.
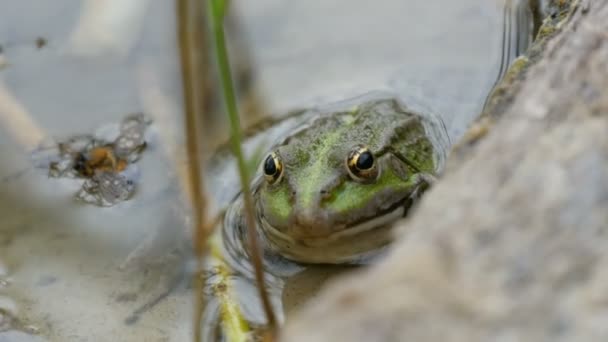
(60, 263)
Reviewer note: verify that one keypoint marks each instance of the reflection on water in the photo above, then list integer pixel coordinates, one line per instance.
(520, 24)
(75, 272)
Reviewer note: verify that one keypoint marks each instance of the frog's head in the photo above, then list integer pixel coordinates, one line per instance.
(331, 190)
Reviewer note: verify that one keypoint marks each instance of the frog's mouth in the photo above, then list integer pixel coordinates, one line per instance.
(345, 245)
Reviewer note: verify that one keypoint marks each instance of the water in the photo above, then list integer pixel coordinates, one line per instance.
(60, 262)
(434, 52)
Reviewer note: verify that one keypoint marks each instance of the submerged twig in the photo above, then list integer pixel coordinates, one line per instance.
(17, 121)
(217, 9)
(190, 38)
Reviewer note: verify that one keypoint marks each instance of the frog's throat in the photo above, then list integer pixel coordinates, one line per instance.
(345, 246)
(277, 237)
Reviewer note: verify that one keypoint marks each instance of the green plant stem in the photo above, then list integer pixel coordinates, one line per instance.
(216, 10)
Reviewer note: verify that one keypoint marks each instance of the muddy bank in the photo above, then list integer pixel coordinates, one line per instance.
(511, 244)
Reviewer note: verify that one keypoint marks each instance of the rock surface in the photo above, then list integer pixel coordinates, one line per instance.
(511, 245)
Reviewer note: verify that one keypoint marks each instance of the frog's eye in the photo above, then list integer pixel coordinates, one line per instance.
(273, 168)
(361, 164)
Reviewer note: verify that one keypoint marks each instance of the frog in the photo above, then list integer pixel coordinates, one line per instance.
(329, 183)
(329, 188)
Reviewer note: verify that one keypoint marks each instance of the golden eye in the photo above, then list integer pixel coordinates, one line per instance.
(361, 164)
(273, 168)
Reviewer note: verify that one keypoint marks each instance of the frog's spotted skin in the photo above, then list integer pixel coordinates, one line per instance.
(317, 212)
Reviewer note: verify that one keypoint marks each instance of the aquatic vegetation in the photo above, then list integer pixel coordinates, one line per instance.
(217, 11)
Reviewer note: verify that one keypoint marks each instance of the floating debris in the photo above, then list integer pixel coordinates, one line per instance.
(40, 42)
(106, 165)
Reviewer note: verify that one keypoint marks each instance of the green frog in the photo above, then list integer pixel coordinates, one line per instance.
(330, 181)
(328, 191)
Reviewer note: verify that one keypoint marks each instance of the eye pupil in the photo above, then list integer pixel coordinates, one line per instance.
(273, 168)
(361, 165)
(365, 161)
(270, 167)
